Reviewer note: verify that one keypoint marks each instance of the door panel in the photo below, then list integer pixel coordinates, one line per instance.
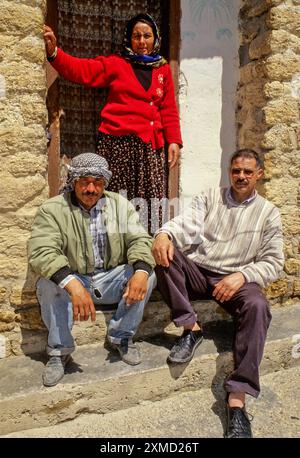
(88, 28)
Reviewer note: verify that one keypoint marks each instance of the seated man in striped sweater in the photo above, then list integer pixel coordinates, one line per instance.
(227, 245)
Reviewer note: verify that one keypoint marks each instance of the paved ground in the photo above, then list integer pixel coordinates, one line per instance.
(194, 414)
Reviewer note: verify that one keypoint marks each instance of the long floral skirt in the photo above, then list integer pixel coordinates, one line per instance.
(140, 174)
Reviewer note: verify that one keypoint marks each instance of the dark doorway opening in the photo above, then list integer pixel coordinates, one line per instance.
(88, 28)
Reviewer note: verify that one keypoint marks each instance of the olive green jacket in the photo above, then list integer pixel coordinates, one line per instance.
(61, 237)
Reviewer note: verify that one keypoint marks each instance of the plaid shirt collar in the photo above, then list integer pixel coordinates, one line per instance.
(230, 199)
(97, 231)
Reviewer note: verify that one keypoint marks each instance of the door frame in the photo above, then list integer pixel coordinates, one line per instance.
(174, 53)
(52, 102)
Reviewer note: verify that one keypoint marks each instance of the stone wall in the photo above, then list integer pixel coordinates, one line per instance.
(23, 186)
(268, 118)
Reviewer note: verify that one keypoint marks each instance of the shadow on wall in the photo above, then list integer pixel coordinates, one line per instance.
(33, 334)
(209, 31)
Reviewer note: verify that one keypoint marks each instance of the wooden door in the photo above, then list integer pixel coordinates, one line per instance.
(88, 28)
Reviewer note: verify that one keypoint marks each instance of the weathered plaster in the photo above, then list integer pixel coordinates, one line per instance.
(209, 74)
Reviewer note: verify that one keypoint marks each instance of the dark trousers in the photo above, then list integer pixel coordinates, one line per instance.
(184, 279)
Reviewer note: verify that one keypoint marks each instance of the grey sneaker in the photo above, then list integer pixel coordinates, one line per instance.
(128, 350)
(55, 369)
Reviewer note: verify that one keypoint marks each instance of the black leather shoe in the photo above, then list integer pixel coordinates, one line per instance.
(238, 423)
(183, 351)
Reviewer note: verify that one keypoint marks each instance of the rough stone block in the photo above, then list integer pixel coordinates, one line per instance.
(10, 116)
(17, 139)
(13, 247)
(250, 138)
(31, 49)
(277, 289)
(18, 18)
(7, 316)
(290, 221)
(282, 67)
(13, 268)
(242, 115)
(23, 77)
(22, 218)
(14, 192)
(271, 169)
(294, 171)
(7, 43)
(251, 94)
(23, 297)
(283, 193)
(281, 111)
(260, 46)
(30, 319)
(23, 164)
(249, 30)
(281, 40)
(3, 294)
(251, 9)
(284, 17)
(297, 287)
(273, 90)
(33, 109)
(290, 247)
(275, 2)
(26, 341)
(39, 199)
(280, 137)
(292, 267)
(279, 164)
(6, 327)
(248, 4)
(254, 71)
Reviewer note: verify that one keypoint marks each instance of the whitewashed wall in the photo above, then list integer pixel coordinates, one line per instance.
(208, 79)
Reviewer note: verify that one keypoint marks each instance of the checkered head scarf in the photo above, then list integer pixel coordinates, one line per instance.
(87, 165)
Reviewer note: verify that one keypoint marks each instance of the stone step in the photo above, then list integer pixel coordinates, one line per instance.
(192, 414)
(156, 319)
(97, 382)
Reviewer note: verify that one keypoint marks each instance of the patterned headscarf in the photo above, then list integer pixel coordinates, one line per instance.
(87, 165)
(153, 59)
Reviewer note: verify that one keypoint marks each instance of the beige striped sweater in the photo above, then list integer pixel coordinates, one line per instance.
(225, 237)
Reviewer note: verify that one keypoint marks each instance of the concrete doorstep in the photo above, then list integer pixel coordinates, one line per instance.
(190, 415)
(98, 382)
(156, 318)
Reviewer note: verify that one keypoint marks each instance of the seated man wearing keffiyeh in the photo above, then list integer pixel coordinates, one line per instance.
(88, 246)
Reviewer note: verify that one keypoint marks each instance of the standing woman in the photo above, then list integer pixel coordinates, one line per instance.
(139, 116)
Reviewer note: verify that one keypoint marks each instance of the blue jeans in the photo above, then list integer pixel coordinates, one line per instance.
(57, 310)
